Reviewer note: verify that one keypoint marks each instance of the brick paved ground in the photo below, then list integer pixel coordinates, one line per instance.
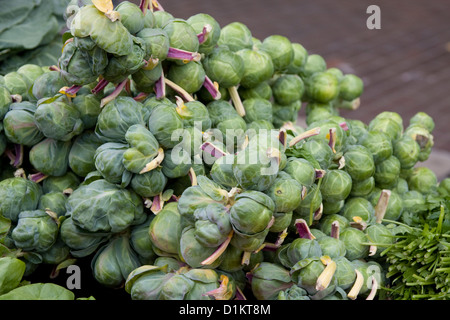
(405, 65)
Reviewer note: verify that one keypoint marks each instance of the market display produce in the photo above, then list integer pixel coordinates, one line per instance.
(166, 152)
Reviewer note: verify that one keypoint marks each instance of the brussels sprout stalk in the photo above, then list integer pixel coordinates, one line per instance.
(160, 87)
(192, 177)
(374, 289)
(15, 158)
(150, 64)
(237, 102)
(37, 177)
(303, 229)
(358, 223)
(212, 87)
(335, 229)
(220, 249)
(274, 246)
(304, 135)
(154, 163)
(323, 281)
(203, 36)
(115, 93)
(222, 292)
(70, 92)
(100, 86)
(157, 204)
(185, 56)
(380, 208)
(184, 94)
(144, 5)
(357, 285)
(140, 97)
(332, 139)
(213, 150)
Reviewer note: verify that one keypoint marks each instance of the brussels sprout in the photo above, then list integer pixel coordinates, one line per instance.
(222, 171)
(11, 272)
(302, 248)
(190, 76)
(176, 163)
(60, 183)
(145, 282)
(301, 170)
(113, 262)
(322, 87)
(50, 157)
(308, 272)
(423, 138)
(251, 212)
(193, 252)
(224, 66)
(262, 90)
(163, 121)
(81, 155)
(57, 253)
(387, 172)
(5, 101)
(359, 163)
(314, 63)
(36, 231)
(149, 184)
(15, 83)
(182, 35)
(406, 150)
(424, 120)
(156, 42)
(200, 21)
(75, 67)
(194, 113)
(236, 36)
(345, 272)
(47, 85)
(18, 194)
(19, 125)
(332, 207)
(299, 59)
(54, 201)
(165, 229)
(258, 126)
(388, 125)
(350, 87)
(395, 205)
(30, 72)
(379, 144)
(280, 50)
(444, 187)
(162, 18)
(232, 259)
(282, 221)
(94, 207)
(108, 160)
(353, 239)
(88, 105)
(212, 225)
(111, 36)
(286, 193)
(422, 179)
(258, 67)
(183, 287)
(381, 236)
(116, 117)
(359, 207)
(336, 185)
(332, 247)
(268, 279)
(120, 67)
(131, 16)
(325, 134)
(285, 114)
(287, 89)
(317, 111)
(58, 120)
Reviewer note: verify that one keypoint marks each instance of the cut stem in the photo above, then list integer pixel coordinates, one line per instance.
(160, 87)
(37, 177)
(304, 135)
(154, 163)
(323, 281)
(212, 87)
(212, 150)
(114, 94)
(303, 229)
(183, 55)
(357, 285)
(237, 102)
(335, 229)
(100, 86)
(183, 93)
(382, 204)
(220, 249)
(203, 36)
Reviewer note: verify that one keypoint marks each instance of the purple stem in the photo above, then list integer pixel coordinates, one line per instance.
(303, 229)
(141, 96)
(73, 90)
(344, 126)
(212, 150)
(320, 173)
(100, 86)
(184, 55)
(203, 36)
(212, 87)
(37, 177)
(114, 94)
(18, 148)
(160, 87)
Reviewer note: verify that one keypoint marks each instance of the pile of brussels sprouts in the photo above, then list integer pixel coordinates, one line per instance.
(166, 152)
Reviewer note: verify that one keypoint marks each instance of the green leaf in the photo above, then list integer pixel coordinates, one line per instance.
(39, 291)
